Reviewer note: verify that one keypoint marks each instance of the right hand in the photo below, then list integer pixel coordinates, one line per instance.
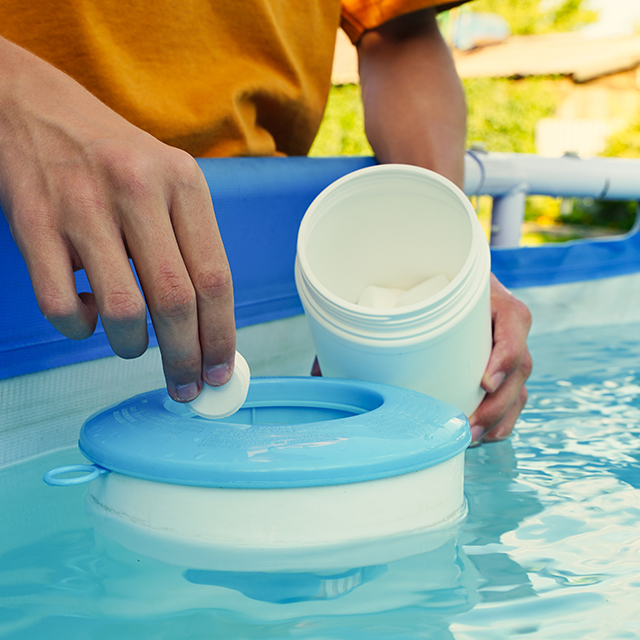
(82, 188)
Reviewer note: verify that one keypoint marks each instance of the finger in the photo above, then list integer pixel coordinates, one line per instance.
(511, 323)
(167, 289)
(496, 411)
(495, 405)
(505, 426)
(172, 304)
(203, 252)
(116, 292)
(50, 269)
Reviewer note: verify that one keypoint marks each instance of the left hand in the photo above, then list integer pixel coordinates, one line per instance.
(508, 369)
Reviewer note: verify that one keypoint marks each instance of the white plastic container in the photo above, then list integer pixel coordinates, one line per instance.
(397, 226)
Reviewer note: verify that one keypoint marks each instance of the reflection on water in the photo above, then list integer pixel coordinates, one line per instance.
(550, 547)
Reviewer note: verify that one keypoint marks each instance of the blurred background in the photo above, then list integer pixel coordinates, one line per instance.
(550, 77)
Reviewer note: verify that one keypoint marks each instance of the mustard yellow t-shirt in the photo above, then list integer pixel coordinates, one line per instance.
(213, 77)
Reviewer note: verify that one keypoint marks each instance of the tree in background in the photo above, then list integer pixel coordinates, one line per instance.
(502, 112)
(526, 17)
(626, 142)
(616, 215)
(342, 129)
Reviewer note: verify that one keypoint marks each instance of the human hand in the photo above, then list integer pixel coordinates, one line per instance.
(508, 368)
(82, 188)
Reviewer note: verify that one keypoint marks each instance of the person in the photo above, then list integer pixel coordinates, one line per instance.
(103, 107)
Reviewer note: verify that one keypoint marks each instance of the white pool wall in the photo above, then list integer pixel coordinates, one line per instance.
(590, 303)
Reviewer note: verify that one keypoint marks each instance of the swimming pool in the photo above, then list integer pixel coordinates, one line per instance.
(549, 549)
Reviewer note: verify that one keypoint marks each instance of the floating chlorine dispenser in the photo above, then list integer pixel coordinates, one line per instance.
(304, 462)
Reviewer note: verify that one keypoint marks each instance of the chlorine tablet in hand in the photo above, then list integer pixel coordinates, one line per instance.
(223, 401)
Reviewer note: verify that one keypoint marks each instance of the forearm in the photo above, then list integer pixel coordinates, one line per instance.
(414, 104)
(415, 113)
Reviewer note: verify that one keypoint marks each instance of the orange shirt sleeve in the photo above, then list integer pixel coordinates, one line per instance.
(359, 16)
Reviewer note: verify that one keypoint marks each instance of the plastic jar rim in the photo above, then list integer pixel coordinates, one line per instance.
(336, 302)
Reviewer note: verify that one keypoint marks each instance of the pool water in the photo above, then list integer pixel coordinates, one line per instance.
(550, 547)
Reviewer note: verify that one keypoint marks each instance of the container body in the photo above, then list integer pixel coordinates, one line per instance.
(448, 367)
(272, 518)
(396, 226)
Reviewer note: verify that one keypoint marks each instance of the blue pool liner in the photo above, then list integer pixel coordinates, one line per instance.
(259, 203)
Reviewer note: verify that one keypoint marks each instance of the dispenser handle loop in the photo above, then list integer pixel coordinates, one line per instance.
(91, 472)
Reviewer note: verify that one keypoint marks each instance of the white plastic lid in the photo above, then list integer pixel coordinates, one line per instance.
(223, 401)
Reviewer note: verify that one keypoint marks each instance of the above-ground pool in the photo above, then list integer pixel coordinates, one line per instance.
(550, 547)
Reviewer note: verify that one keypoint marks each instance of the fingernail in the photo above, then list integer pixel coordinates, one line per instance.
(495, 381)
(187, 392)
(476, 435)
(219, 374)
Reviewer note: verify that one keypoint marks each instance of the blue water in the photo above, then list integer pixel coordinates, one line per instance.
(550, 548)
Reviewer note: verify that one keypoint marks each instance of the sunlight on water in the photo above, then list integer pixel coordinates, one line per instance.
(550, 548)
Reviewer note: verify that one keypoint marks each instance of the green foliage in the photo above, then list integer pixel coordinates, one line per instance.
(569, 16)
(342, 130)
(503, 113)
(612, 214)
(525, 16)
(626, 142)
(544, 210)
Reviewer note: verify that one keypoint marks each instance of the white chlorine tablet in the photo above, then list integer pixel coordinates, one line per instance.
(379, 297)
(423, 291)
(388, 298)
(223, 401)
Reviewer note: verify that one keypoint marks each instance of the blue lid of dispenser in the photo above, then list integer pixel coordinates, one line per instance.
(290, 432)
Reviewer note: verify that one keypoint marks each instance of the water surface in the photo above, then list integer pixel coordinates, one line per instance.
(550, 547)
